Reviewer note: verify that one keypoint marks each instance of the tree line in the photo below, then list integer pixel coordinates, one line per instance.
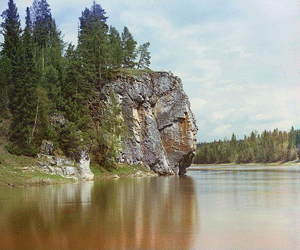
(267, 147)
(41, 75)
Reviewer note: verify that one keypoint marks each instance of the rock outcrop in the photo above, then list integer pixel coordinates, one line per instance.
(79, 169)
(161, 124)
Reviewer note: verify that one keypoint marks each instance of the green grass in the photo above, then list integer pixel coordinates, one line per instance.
(12, 173)
(132, 72)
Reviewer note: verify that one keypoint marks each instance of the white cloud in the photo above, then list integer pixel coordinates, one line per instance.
(198, 104)
(197, 48)
(220, 131)
(278, 9)
(219, 116)
(261, 118)
(241, 51)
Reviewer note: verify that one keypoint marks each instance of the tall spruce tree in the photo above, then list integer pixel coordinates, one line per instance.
(28, 21)
(11, 30)
(77, 91)
(5, 85)
(49, 48)
(25, 100)
(42, 22)
(116, 56)
(92, 42)
(10, 53)
(129, 49)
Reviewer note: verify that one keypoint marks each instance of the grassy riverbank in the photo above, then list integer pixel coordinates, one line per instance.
(20, 171)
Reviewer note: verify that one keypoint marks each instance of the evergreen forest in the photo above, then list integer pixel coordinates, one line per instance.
(41, 76)
(267, 147)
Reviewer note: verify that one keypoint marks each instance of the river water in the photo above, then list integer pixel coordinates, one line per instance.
(234, 207)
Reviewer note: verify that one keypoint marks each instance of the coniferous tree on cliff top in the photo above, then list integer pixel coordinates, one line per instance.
(129, 49)
(92, 42)
(116, 55)
(144, 56)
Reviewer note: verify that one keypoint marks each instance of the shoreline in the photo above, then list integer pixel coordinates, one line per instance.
(276, 166)
(279, 163)
(20, 177)
(23, 171)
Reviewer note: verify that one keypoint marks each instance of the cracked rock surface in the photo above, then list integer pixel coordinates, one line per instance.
(161, 124)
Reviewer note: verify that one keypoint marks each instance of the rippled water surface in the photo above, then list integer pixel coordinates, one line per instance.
(227, 208)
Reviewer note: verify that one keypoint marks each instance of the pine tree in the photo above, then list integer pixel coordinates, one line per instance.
(144, 56)
(129, 48)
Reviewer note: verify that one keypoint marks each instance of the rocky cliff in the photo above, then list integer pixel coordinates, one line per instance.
(161, 124)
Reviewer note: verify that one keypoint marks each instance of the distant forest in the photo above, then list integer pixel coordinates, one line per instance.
(267, 147)
(41, 75)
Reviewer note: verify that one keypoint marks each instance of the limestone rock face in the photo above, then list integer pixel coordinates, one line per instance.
(82, 159)
(78, 169)
(161, 124)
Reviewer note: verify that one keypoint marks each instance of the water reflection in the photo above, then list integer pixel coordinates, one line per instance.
(146, 213)
(237, 210)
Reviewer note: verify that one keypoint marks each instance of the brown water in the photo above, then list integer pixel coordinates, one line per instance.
(232, 209)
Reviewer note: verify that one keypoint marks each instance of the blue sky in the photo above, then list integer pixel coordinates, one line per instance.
(239, 60)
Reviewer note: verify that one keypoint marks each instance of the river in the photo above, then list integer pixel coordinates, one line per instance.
(232, 207)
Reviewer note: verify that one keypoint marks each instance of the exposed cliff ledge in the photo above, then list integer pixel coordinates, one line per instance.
(161, 124)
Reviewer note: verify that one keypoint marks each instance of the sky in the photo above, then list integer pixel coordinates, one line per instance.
(239, 61)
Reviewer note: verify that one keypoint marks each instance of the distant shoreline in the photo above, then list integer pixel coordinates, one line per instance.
(279, 163)
(277, 166)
